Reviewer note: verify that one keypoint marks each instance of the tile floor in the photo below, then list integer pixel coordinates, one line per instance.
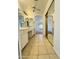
(39, 48)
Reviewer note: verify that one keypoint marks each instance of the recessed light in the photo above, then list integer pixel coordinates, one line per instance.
(25, 13)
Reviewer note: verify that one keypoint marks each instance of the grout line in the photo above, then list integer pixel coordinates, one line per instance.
(44, 40)
(46, 49)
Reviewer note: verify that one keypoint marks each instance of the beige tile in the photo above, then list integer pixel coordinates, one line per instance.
(53, 57)
(43, 57)
(35, 48)
(42, 47)
(42, 51)
(35, 57)
(27, 52)
(27, 57)
(34, 52)
(39, 49)
(51, 51)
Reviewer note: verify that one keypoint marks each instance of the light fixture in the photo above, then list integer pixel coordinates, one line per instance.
(24, 12)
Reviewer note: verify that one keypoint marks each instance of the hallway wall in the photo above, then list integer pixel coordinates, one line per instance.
(56, 16)
(54, 11)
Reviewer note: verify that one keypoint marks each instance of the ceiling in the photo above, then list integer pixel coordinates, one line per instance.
(27, 6)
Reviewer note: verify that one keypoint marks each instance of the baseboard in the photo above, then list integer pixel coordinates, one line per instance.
(50, 42)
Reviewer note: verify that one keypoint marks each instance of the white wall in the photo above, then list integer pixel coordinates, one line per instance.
(20, 54)
(56, 17)
(55, 12)
(23, 37)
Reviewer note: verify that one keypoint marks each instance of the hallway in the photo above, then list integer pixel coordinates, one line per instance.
(39, 48)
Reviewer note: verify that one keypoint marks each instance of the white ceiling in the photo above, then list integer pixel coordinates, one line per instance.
(26, 5)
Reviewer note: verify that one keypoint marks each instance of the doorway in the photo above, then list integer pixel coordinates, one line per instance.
(50, 29)
(39, 25)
